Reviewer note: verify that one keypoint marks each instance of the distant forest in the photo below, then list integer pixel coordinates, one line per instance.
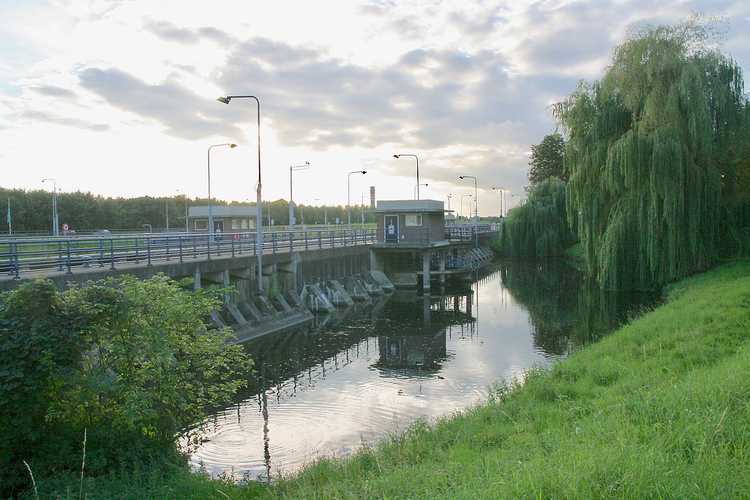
(32, 211)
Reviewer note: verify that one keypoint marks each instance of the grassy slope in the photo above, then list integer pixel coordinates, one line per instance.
(660, 408)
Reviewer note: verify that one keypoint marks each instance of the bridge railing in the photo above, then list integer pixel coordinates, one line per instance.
(467, 232)
(66, 254)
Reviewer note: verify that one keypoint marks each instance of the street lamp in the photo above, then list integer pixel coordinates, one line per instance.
(501, 190)
(210, 208)
(187, 228)
(461, 209)
(416, 188)
(325, 212)
(476, 201)
(348, 192)
(259, 201)
(55, 221)
(292, 168)
(416, 158)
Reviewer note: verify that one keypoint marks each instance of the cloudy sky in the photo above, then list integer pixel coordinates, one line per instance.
(119, 97)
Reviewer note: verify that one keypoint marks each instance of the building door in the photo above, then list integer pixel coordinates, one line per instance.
(218, 226)
(391, 228)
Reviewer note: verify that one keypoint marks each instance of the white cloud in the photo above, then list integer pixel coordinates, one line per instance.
(122, 93)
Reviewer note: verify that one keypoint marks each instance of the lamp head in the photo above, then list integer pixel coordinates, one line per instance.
(232, 146)
(396, 156)
(364, 171)
(461, 177)
(224, 99)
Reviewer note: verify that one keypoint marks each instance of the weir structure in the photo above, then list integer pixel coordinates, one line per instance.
(413, 244)
(303, 272)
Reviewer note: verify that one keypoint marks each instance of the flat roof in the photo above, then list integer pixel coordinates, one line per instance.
(222, 211)
(414, 206)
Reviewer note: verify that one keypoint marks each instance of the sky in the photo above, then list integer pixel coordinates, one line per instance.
(118, 97)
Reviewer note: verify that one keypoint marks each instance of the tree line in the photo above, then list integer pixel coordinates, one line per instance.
(31, 211)
(655, 164)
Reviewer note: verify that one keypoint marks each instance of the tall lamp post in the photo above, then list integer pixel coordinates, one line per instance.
(461, 209)
(180, 193)
(416, 188)
(210, 207)
(476, 201)
(348, 193)
(187, 227)
(55, 221)
(325, 212)
(416, 158)
(259, 195)
(292, 168)
(501, 190)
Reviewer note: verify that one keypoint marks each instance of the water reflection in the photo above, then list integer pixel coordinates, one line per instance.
(566, 310)
(375, 368)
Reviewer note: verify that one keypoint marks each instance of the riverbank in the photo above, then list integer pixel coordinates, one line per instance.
(658, 408)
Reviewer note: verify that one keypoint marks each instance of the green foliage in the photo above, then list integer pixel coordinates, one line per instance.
(539, 227)
(131, 362)
(649, 156)
(546, 159)
(658, 409)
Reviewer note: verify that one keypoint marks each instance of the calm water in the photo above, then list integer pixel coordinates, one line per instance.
(376, 368)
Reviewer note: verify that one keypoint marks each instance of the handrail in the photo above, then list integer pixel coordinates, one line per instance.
(40, 255)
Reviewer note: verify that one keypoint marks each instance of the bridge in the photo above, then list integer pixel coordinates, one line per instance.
(90, 257)
(295, 267)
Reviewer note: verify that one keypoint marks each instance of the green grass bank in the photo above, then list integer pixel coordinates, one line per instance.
(658, 409)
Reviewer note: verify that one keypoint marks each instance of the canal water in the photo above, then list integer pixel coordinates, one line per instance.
(355, 377)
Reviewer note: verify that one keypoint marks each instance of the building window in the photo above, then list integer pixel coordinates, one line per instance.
(201, 225)
(414, 220)
(238, 224)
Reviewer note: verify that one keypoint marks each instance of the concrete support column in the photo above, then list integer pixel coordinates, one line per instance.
(287, 273)
(426, 256)
(226, 282)
(426, 310)
(268, 276)
(376, 261)
(197, 279)
(442, 267)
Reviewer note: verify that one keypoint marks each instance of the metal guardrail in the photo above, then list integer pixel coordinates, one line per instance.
(34, 255)
(467, 232)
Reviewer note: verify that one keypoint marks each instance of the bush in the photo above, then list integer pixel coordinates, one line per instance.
(129, 362)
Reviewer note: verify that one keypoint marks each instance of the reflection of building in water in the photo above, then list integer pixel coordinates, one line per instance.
(412, 351)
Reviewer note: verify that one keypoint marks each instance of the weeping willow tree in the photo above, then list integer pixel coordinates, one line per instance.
(538, 228)
(647, 155)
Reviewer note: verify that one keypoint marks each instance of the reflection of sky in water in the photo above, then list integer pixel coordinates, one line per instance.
(370, 375)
